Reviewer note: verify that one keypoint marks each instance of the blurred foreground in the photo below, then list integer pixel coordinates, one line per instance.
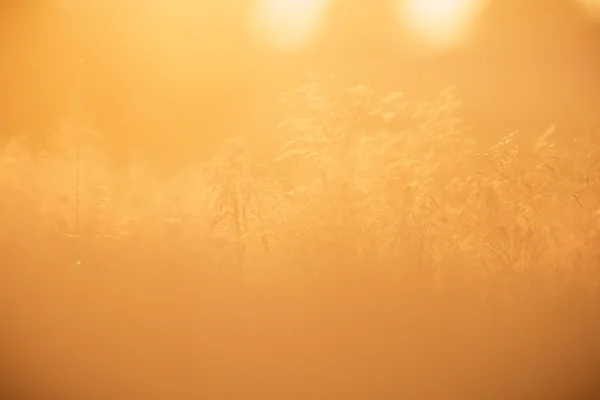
(385, 261)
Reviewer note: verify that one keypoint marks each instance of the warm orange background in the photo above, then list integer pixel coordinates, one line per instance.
(205, 70)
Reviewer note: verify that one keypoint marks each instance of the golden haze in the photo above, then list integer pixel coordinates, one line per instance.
(441, 23)
(349, 241)
(291, 24)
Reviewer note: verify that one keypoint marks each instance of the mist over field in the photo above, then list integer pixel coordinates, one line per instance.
(310, 199)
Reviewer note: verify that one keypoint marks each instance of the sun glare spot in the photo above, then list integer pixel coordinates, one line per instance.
(288, 24)
(439, 23)
(592, 7)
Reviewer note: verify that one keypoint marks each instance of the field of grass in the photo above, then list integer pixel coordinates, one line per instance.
(381, 254)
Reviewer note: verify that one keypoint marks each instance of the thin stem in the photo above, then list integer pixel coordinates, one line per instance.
(78, 153)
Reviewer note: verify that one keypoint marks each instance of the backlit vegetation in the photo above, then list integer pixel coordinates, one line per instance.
(380, 253)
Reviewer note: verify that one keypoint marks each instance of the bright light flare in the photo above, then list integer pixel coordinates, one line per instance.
(592, 7)
(440, 23)
(288, 24)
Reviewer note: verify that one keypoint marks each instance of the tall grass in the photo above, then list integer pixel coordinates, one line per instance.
(380, 254)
